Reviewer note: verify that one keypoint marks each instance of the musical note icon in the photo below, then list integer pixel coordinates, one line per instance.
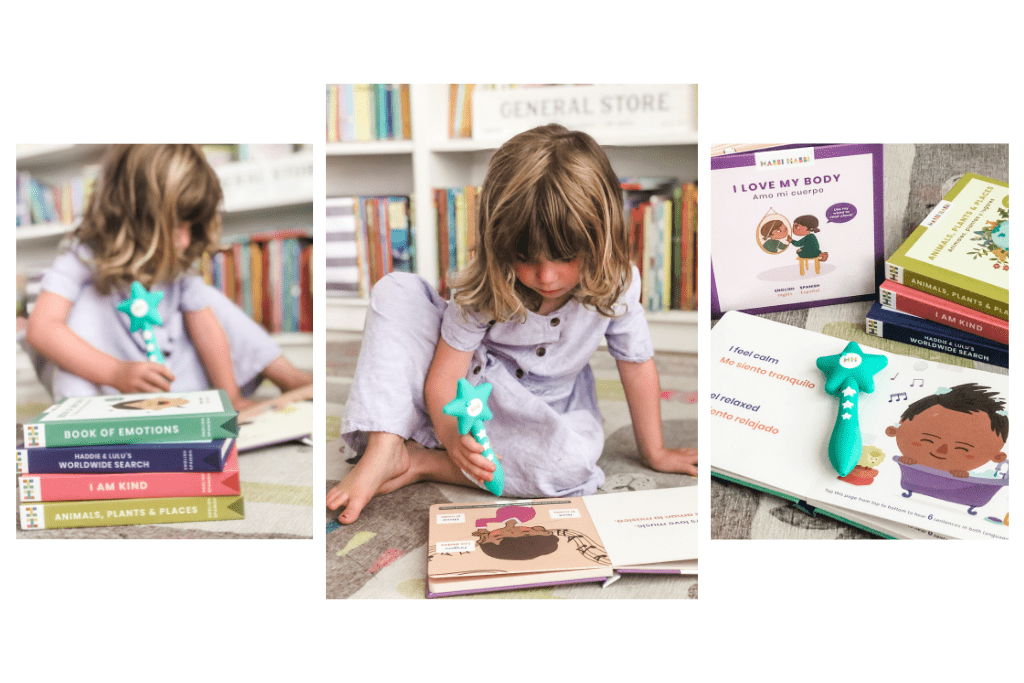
(895, 376)
(917, 380)
(898, 396)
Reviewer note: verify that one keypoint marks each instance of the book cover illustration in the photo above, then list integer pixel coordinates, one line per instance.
(529, 536)
(961, 251)
(796, 227)
(935, 436)
(134, 418)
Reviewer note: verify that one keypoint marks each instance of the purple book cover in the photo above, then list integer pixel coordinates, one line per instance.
(202, 456)
(796, 226)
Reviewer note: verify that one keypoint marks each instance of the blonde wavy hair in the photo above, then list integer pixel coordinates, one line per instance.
(548, 192)
(143, 194)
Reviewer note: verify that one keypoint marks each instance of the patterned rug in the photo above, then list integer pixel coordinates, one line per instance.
(916, 178)
(275, 481)
(384, 553)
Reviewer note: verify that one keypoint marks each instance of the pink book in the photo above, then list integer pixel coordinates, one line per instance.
(944, 312)
(64, 487)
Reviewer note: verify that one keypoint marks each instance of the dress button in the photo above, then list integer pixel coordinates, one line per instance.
(519, 373)
(490, 323)
(476, 370)
(554, 322)
(541, 351)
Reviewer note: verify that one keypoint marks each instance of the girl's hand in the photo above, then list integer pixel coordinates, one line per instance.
(142, 377)
(240, 403)
(465, 453)
(680, 460)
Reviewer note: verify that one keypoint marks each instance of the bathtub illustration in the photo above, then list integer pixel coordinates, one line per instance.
(973, 492)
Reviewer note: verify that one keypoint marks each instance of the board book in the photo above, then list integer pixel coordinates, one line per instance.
(134, 418)
(796, 226)
(33, 488)
(902, 327)
(526, 544)
(198, 456)
(771, 421)
(123, 512)
(961, 251)
(930, 307)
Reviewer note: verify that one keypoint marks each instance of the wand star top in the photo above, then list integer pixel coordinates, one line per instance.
(470, 405)
(143, 313)
(851, 364)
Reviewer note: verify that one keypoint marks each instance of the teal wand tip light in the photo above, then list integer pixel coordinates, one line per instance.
(141, 308)
(470, 407)
(847, 374)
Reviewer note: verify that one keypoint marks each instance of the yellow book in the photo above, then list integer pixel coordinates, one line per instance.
(363, 108)
(462, 224)
(666, 269)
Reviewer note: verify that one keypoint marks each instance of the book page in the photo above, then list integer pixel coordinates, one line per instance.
(758, 241)
(645, 527)
(769, 411)
(907, 420)
(958, 484)
(512, 538)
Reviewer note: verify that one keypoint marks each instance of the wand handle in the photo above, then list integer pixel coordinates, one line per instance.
(153, 353)
(844, 448)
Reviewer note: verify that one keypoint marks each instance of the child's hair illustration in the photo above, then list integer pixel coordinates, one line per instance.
(143, 194)
(520, 547)
(966, 398)
(769, 227)
(809, 222)
(548, 192)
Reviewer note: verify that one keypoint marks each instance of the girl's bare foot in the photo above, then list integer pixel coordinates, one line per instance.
(386, 458)
(285, 375)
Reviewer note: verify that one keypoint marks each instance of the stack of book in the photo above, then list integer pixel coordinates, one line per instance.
(367, 238)
(662, 219)
(947, 286)
(268, 276)
(368, 111)
(130, 459)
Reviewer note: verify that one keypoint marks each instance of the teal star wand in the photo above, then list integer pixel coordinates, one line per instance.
(470, 407)
(847, 374)
(141, 308)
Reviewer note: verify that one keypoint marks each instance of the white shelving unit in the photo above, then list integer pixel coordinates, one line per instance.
(260, 195)
(432, 160)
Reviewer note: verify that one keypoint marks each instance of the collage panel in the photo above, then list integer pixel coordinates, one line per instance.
(164, 378)
(511, 336)
(860, 342)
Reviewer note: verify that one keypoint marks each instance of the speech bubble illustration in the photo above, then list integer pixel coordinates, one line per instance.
(840, 213)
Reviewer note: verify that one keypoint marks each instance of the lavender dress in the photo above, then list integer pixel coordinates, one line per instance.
(95, 318)
(546, 425)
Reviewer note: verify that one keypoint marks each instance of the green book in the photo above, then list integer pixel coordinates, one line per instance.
(134, 418)
(85, 513)
(961, 252)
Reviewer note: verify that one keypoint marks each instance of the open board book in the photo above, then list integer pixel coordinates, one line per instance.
(526, 544)
(771, 421)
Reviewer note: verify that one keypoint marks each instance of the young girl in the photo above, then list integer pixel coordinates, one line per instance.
(152, 214)
(550, 279)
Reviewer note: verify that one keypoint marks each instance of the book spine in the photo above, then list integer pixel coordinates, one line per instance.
(944, 290)
(33, 488)
(92, 513)
(894, 327)
(929, 307)
(132, 458)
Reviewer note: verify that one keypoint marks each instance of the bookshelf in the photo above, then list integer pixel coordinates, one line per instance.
(432, 160)
(260, 195)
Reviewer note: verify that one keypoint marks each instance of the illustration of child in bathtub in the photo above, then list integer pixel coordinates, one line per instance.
(954, 430)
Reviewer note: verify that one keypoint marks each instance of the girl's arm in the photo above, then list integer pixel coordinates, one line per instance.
(49, 334)
(215, 353)
(643, 395)
(448, 366)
